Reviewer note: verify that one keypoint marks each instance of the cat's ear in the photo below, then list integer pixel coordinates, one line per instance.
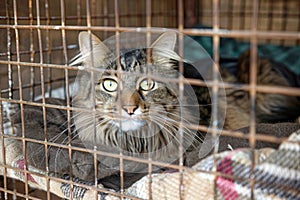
(88, 41)
(166, 41)
(163, 48)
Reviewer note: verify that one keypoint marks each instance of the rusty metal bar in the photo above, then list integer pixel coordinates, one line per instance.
(148, 44)
(180, 5)
(42, 76)
(37, 84)
(119, 69)
(21, 96)
(215, 89)
(4, 169)
(32, 69)
(165, 13)
(215, 32)
(10, 90)
(89, 25)
(48, 48)
(287, 35)
(252, 92)
(247, 13)
(9, 66)
(66, 86)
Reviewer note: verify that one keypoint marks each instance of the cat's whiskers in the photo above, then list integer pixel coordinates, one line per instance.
(169, 124)
(171, 132)
(175, 122)
(166, 113)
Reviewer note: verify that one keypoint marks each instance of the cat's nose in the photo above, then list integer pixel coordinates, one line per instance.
(130, 109)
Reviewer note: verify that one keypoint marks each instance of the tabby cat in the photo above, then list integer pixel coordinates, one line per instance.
(134, 111)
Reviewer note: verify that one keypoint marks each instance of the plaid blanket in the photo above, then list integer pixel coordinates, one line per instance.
(276, 175)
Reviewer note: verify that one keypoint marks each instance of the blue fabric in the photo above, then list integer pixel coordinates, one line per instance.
(231, 49)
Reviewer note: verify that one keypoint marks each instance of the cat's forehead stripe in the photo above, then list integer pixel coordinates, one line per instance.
(131, 60)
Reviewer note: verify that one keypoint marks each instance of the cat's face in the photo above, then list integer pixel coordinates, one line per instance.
(139, 97)
(133, 104)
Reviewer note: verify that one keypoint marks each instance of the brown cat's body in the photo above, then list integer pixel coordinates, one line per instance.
(269, 107)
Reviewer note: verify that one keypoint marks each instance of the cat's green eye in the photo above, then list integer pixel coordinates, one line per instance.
(147, 84)
(110, 85)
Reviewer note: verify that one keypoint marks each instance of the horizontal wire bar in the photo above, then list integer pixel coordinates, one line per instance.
(107, 16)
(69, 47)
(289, 35)
(36, 84)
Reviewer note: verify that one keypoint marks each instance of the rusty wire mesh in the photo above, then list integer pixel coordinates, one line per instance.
(39, 38)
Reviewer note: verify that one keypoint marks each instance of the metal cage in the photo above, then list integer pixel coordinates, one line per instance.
(39, 38)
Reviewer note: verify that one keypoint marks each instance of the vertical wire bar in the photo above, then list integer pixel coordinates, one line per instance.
(215, 88)
(48, 47)
(32, 69)
(10, 70)
(49, 88)
(4, 169)
(180, 19)
(66, 84)
(89, 24)
(40, 43)
(252, 91)
(21, 96)
(148, 44)
(10, 77)
(117, 25)
(64, 43)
